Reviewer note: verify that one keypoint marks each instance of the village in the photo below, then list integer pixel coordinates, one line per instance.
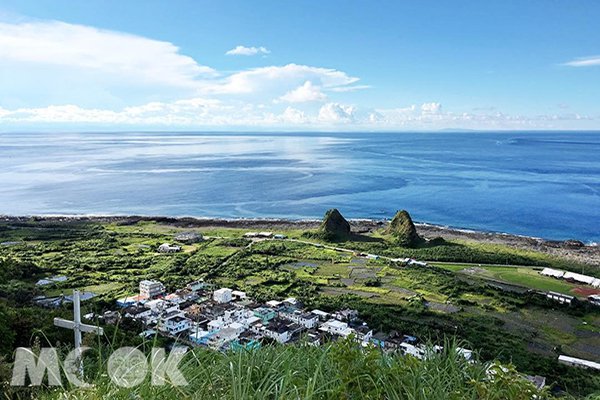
(222, 319)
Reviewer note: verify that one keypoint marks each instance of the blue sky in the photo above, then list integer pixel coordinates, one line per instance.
(312, 65)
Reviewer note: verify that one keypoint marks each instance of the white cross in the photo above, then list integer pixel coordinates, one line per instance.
(76, 324)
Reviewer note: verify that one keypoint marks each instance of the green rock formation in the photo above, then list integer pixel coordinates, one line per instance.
(403, 230)
(334, 225)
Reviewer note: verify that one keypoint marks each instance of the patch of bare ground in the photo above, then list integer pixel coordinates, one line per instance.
(549, 332)
(441, 307)
(337, 291)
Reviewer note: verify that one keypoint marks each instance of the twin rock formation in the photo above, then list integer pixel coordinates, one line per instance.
(401, 228)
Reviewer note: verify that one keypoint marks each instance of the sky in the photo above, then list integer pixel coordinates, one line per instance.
(299, 66)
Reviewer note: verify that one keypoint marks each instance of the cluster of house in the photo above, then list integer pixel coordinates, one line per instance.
(224, 318)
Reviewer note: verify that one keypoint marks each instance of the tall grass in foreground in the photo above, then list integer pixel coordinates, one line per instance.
(340, 370)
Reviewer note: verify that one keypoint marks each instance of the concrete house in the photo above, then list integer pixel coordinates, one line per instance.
(336, 327)
(279, 331)
(223, 295)
(265, 314)
(176, 324)
(307, 320)
(151, 289)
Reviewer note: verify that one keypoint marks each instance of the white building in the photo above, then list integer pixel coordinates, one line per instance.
(594, 299)
(200, 336)
(345, 315)
(561, 298)
(335, 327)
(291, 301)
(225, 335)
(466, 353)
(321, 314)
(215, 325)
(238, 295)
(273, 303)
(176, 324)
(307, 320)
(223, 295)
(156, 305)
(150, 289)
(281, 333)
(571, 276)
(236, 315)
(407, 348)
(555, 273)
(578, 362)
(578, 278)
(167, 248)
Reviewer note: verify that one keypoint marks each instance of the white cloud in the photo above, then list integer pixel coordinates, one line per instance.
(336, 113)
(294, 116)
(431, 108)
(52, 63)
(102, 51)
(247, 51)
(305, 93)
(211, 113)
(278, 78)
(353, 88)
(584, 62)
(188, 111)
(54, 74)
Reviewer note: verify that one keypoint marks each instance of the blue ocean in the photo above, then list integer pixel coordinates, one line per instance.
(543, 184)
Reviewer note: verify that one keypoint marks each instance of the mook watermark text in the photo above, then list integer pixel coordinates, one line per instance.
(127, 367)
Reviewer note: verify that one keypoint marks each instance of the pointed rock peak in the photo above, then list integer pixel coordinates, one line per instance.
(403, 229)
(334, 225)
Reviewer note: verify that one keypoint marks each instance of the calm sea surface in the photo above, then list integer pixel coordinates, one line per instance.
(538, 184)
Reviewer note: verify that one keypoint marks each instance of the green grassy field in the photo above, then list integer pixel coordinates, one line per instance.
(519, 275)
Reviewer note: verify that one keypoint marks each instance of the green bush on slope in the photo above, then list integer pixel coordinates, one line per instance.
(341, 370)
